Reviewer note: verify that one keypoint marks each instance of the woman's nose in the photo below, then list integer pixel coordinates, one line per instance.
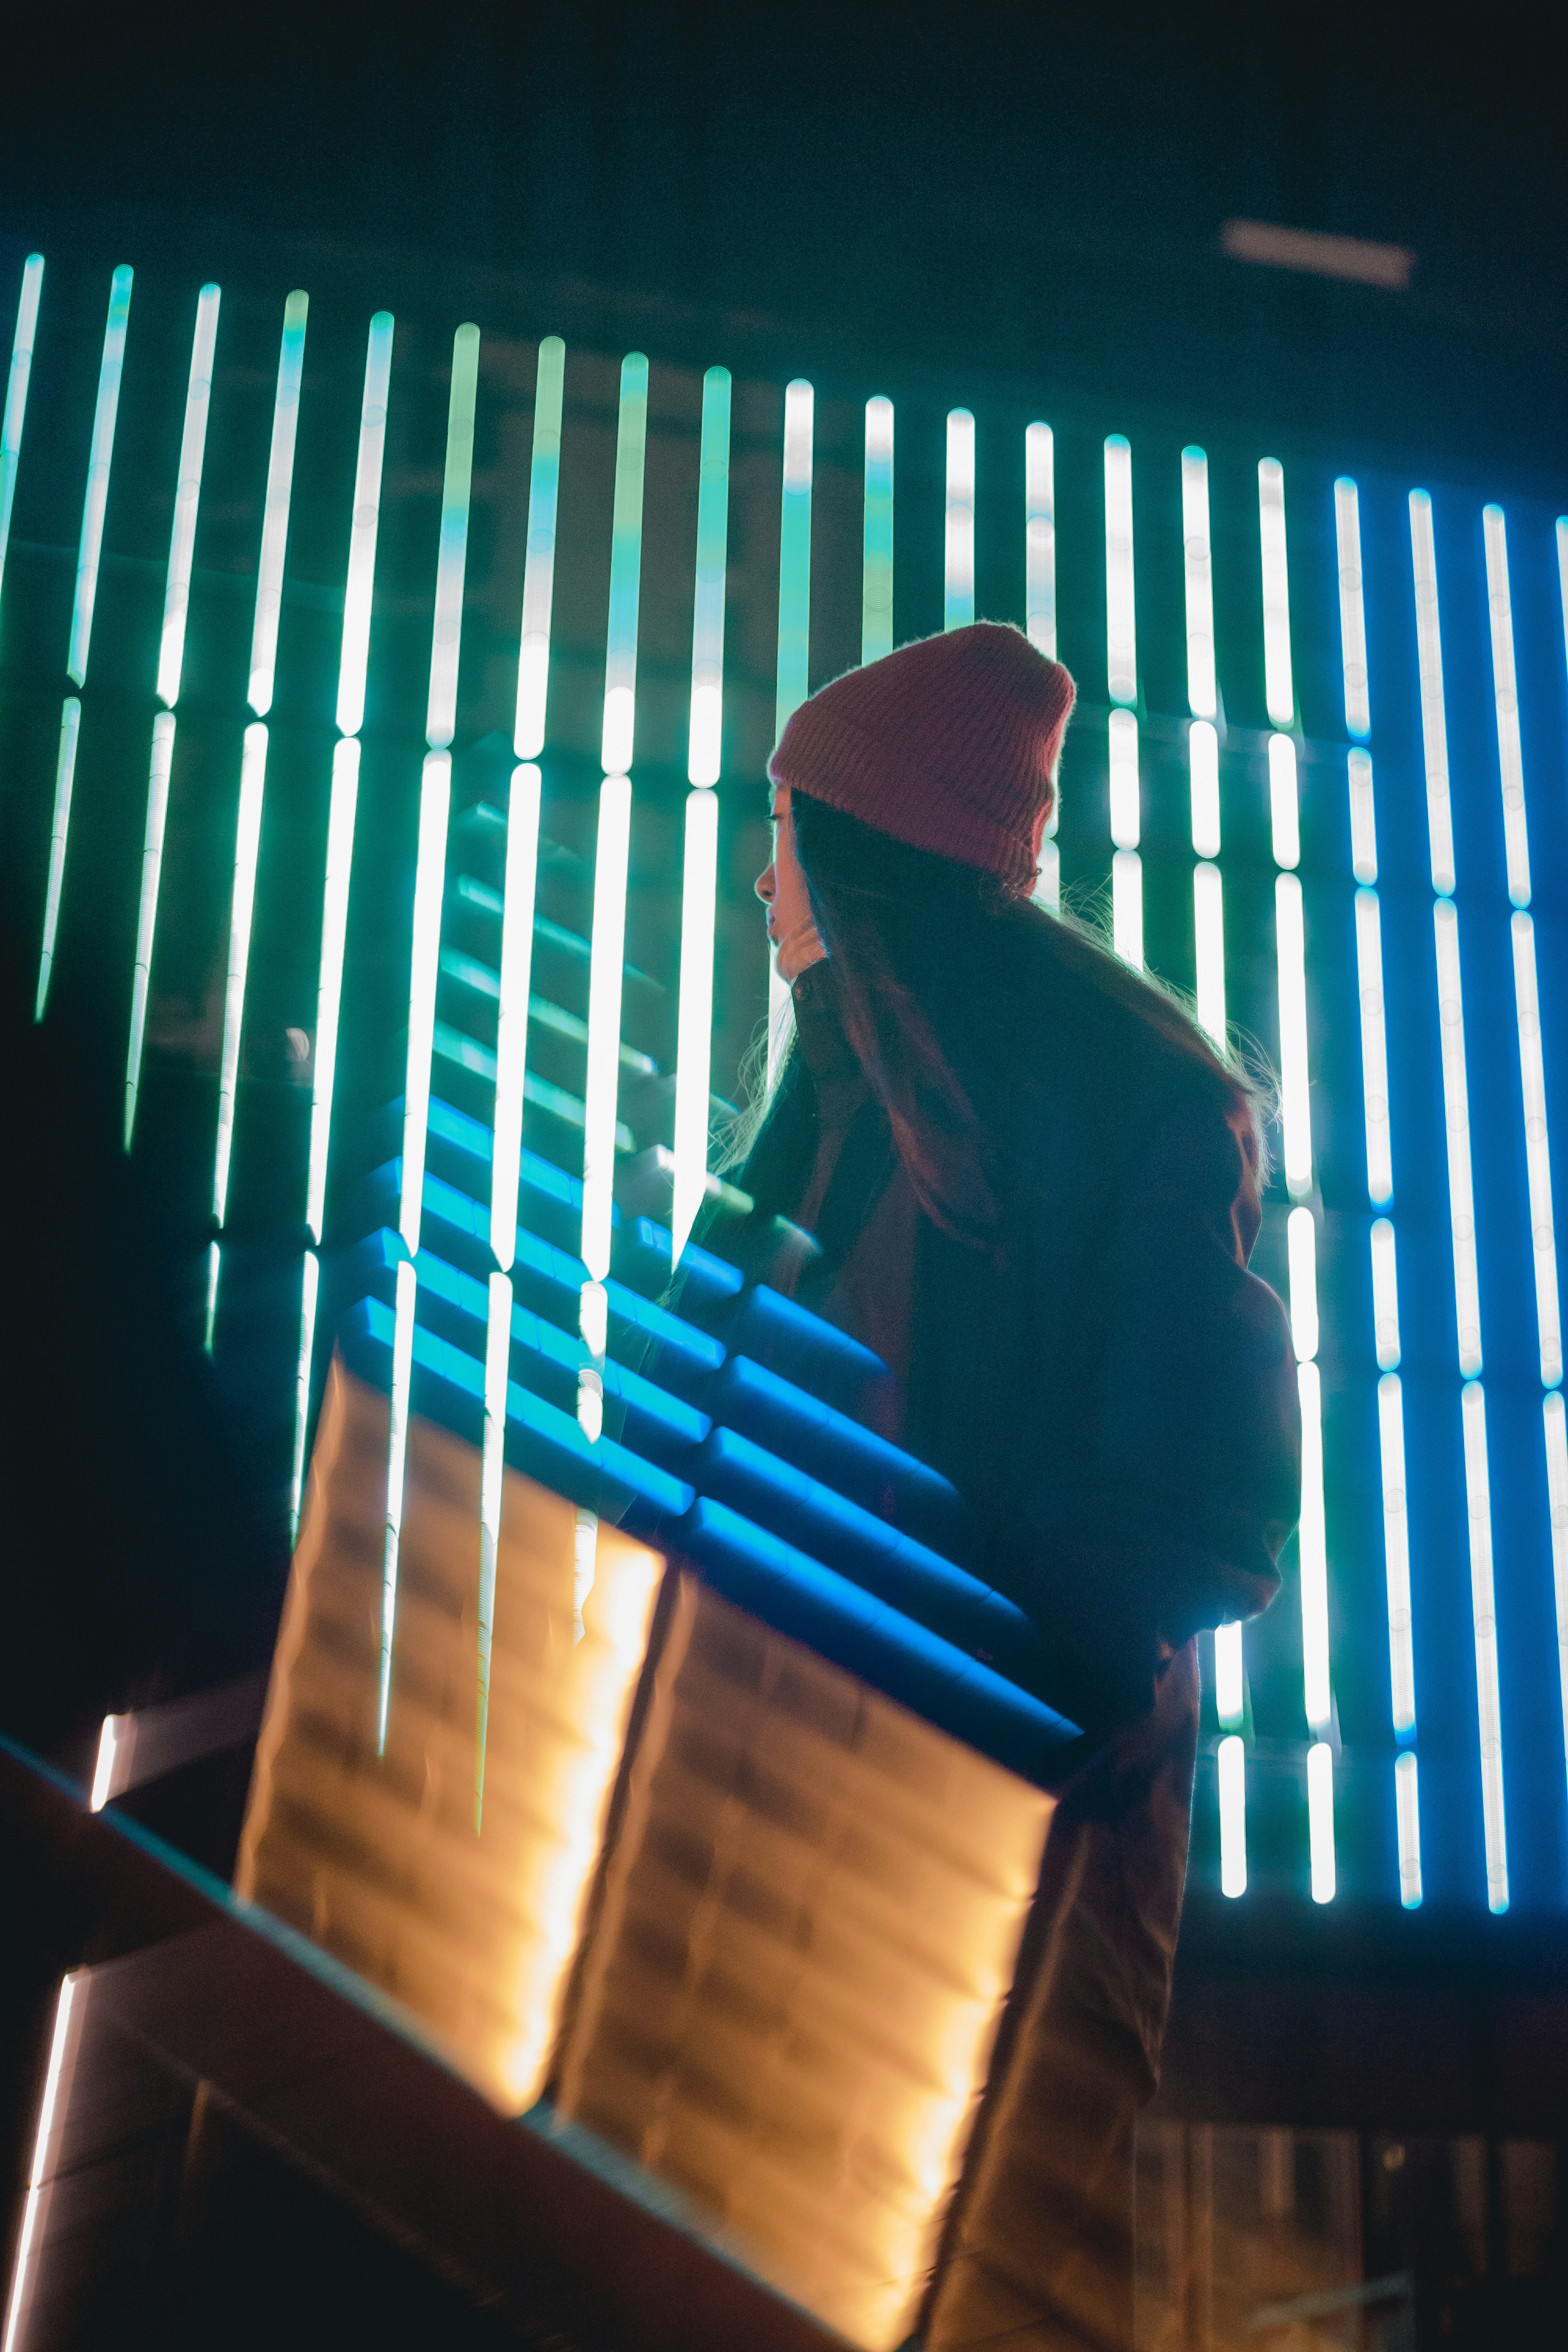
(763, 885)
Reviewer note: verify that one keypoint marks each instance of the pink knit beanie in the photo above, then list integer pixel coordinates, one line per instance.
(949, 744)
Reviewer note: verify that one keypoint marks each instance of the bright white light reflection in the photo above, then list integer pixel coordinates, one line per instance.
(1363, 818)
(100, 456)
(1203, 757)
(1232, 1762)
(451, 563)
(694, 1041)
(1126, 907)
(354, 653)
(423, 967)
(958, 561)
(38, 2171)
(1229, 1681)
(1124, 762)
(1407, 1823)
(1373, 1049)
(626, 570)
(876, 536)
(1198, 562)
(512, 1026)
(1555, 1431)
(1321, 1819)
(1121, 625)
(1483, 1608)
(794, 553)
(309, 1291)
(187, 498)
(1284, 810)
(59, 833)
(1537, 1151)
(1456, 1121)
(1302, 1249)
(247, 848)
(1040, 538)
(605, 976)
(705, 743)
(16, 385)
(1396, 1554)
(1434, 719)
(406, 1299)
(1208, 937)
(103, 1769)
(539, 568)
(1385, 1294)
(1296, 1116)
(1313, 1549)
(147, 907)
(1505, 698)
(275, 511)
(1352, 613)
(1278, 689)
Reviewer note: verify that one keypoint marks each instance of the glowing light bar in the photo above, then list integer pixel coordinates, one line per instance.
(1321, 1819)
(1385, 1295)
(1563, 577)
(1483, 1607)
(1229, 1679)
(1040, 538)
(1284, 806)
(1301, 1254)
(404, 1297)
(1556, 1435)
(275, 512)
(511, 1030)
(1203, 698)
(1364, 820)
(59, 831)
(18, 2304)
(1407, 1821)
(329, 979)
(958, 563)
(604, 1023)
(1312, 1547)
(309, 1291)
(877, 565)
(1505, 695)
(1352, 614)
(1295, 1114)
(1202, 759)
(1457, 1118)
(1396, 1555)
(354, 654)
(1232, 1763)
(626, 570)
(16, 394)
(1434, 721)
(1208, 937)
(187, 498)
(794, 553)
(100, 458)
(1120, 624)
(539, 570)
(1278, 689)
(147, 907)
(429, 881)
(446, 637)
(247, 846)
(705, 740)
(1537, 1151)
(693, 1051)
(1373, 1049)
(1124, 791)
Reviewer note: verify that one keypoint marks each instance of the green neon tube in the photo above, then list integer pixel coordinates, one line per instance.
(1121, 628)
(354, 656)
(441, 714)
(60, 829)
(695, 1040)
(274, 513)
(16, 394)
(1040, 538)
(626, 570)
(539, 570)
(187, 498)
(705, 748)
(794, 554)
(877, 556)
(100, 458)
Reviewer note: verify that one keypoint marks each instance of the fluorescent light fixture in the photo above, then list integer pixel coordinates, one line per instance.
(1208, 940)
(103, 1769)
(1456, 1122)
(538, 568)
(694, 1046)
(1312, 1547)
(1040, 538)
(424, 968)
(1295, 1104)
(626, 570)
(187, 498)
(1302, 1255)
(492, 1483)
(147, 907)
(1126, 907)
(1123, 762)
(876, 559)
(1557, 1436)
(38, 2171)
(1203, 698)
(1284, 803)
(1434, 719)
(1352, 612)
(1396, 1555)
(1321, 1819)
(100, 456)
(958, 542)
(1483, 1610)
(1120, 624)
(445, 637)
(404, 1299)
(1363, 818)
(242, 908)
(310, 1292)
(1373, 1049)
(1407, 1824)
(16, 394)
(1537, 1151)
(1232, 1763)
(1280, 691)
(1229, 1679)
(511, 1027)
(604, 974)
(1505, 698)
(1385, 1295)
(329, 978)
(275, 512)
(1359, 259)
(59, 833)
(794, 553)
(706, 739)
(354, 656)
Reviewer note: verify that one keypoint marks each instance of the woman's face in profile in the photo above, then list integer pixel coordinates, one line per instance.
(793, 934)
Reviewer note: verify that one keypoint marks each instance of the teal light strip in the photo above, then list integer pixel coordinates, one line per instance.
(275, 514)
(539, 570)
(626, 570)
(247, 848)
(147, 907)
(60, 830)
(429, 884)
(876, 559)
(187, 499)
(16, 394)
(441, 713)
(100, 458)
(354, 656)
(1040, 538)
(958, 560)
(794, 554)
(705, 743)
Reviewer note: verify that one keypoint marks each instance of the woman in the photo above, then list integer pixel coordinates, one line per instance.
(1034, 1187)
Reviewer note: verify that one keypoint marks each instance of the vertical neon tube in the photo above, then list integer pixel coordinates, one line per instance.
(1457, 1120)
(275, 511)
(1321, 1819)
(626, 570)
(876, 540)
(958, 536)
(1232, 1763)
(354, 654)
(1483, 1609)
(16, 385)
(59, 831)
(1040, 538)
(187, 499)
(1121, 672)
(1278, 689)
(147, 906)
(1203, 748)
(1295, 1104)
(1353, 610)
(1208, 932)
(18, 2300)
(1373, 1049)
(1203, 699)
(1120, 624)
(794, 673)
(247, 850)
(539, 570)
(1505, 702)
(1556, 1437)
(706, 734)
(1126, 868)
(1407, 1819)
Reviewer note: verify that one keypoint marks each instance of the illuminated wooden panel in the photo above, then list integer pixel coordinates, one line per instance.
(378, 1859)
(811, 1921)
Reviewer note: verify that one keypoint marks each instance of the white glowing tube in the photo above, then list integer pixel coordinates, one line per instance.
(1352, 613)
(1456, 1120)
(539, 570)
(423, 967)
(1407, 1821)
(59, 833)
(310, 1292)
(1209, 936)
(100, 458)
(626, 570)
(16, 394)
(405, 1298)
(1434, 721)
(1385, 1295)
(147, 907)
(38, 2171)
(1483, 1608)
(794, 553)
(1505, 695)
(705, 741)
(1296, 1115)
(1279, 688)
(1321, 1819)
(1126, 866)
(1364, 819)
(1229, 1677)
(247, 847)
(1121, 625)
(958, 561)
(275, 511)
(1555, 1430)
(451, 563)
(1373, 1049)
(1203, 699)
(1301, 1257)
(511, 1029)
(604, 1023)
(1203, 761)
(877, 561)
(1312, 1547)
(330, 979)
(1232, 1763)
(1284, 803)
(694, 1046)
(354, 654)
(187, 498)
(1040, 538)
(1563, 577)
(1537, 1151)
(1396, 1554)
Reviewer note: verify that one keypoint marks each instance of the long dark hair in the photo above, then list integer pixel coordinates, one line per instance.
(929, 958)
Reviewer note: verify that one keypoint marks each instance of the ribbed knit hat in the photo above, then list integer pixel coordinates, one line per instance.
(949, 744)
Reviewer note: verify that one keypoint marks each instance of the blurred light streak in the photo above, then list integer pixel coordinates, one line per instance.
(187, 499)
(1385, 1294)
(1229, 1679)
(1209, 936)
(605, 1022)
(1278, 684)
(353, 657)
(1284, 809)
(1040, 538)
(100, 456)
(1396, 1555)
(877, 538)
(1232, 1763)
(706, 736)
(16, 385)
(1295, 1114)
(1456, 1121)
(275, 511)
(1363, 818)
(1302, 1255)
(424, 965)
(1434, 719)
(1407, 1824)
(1202, 766)
(1505, 699)
(59, 832)
(694, 1045)
(1321, 1819)
(1312, 1547)
(1120, 621)
(54, 2078)
(958, 537)
(1203, 699)
(1537, 1151)
(538, 568)
(1352, 614)
(1557, 1436)
(1483, 1608)
(1373, 1049)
